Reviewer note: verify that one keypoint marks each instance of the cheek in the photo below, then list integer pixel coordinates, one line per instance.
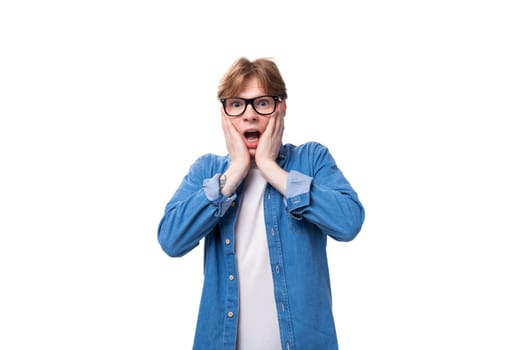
(236, 124)
(264, 124)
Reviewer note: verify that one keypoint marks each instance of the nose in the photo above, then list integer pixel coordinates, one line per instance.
(250, 113)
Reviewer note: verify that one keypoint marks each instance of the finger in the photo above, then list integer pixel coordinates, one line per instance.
(278, 124)
(225, 128)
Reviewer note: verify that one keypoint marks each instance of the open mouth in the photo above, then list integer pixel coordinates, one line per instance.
(252, 136)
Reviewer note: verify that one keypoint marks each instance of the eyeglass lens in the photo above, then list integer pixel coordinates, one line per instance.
(263, 105)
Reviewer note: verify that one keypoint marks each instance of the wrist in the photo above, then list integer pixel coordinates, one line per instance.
(222, 181)
(267, 164)
(231, 179)
(226, 185)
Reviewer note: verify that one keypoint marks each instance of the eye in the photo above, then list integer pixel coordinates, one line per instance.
(263, 102)
(235, 103)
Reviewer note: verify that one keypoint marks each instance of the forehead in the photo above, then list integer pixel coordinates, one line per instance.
(251, 88)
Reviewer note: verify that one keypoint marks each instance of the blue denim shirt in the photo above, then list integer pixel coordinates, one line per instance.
(319, 202)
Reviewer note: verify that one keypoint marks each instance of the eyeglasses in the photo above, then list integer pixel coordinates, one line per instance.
(263, 105)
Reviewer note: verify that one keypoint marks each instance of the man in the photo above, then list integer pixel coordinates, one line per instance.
(265, 211)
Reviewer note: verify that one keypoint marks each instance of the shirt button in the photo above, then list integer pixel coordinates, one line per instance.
(233, 204)
(230, 314)
(231, 277)
(227, 242)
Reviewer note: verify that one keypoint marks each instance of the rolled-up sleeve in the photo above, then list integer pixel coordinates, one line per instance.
(214, 195)
(297, 191)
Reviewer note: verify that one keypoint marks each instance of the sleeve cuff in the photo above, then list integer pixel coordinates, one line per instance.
(212, 192)
(297, 191)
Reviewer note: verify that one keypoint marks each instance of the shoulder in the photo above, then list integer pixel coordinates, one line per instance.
(306, 157)
(210, 163)
(310, 148)
(211, 158)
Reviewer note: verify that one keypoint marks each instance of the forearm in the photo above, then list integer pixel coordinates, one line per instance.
(332, 205)
(275, 175)
(185, 223)
(339, 214)
(191, 214)
(231, 179)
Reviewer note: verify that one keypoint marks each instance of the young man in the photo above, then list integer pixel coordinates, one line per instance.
(265, 211)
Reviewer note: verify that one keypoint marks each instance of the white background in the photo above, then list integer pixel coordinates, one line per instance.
(104, 105)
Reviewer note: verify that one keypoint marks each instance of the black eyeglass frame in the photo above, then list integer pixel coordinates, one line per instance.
(249, 101)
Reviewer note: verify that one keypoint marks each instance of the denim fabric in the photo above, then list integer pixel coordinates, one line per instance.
(320, 202)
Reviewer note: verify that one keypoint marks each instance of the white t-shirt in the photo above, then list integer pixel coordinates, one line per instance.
(258, 324)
